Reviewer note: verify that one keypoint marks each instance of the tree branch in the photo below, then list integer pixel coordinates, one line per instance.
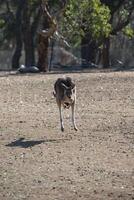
(123, 24)
(118, 6)
(53, 24)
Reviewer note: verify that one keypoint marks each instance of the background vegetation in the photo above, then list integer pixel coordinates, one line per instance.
(92, 26)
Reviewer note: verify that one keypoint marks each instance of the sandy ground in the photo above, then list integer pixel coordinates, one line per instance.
(39, 162)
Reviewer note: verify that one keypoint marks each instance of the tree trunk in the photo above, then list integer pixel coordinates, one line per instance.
(29, 48)
(43, 45)
(88, 50)
(28, 37)
(106, 53)
(18, 36)
(44, 38)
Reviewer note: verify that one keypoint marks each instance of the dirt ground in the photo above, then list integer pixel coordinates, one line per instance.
(39, 162)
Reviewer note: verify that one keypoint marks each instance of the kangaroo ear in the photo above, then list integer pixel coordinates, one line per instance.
(64, 86)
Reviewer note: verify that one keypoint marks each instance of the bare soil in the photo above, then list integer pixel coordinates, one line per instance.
(39, 162)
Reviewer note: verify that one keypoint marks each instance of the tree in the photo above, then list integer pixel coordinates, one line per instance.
(86, 23)
(92, 23)
(22, 24)
(121, 15)
(31, 16)
(27, 23)
(48, 30)
(18, 36)
(6, 24)
(44, 38)
(20, 28)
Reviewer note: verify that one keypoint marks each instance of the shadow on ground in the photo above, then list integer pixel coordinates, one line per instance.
(21, 142)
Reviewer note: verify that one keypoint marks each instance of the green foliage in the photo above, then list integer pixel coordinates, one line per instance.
(129, 31)
(82, 17)
(121, 13)
(2, 23)
(97, 16)
(33, 2)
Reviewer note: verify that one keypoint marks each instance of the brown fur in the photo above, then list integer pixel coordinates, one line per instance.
(65, 94)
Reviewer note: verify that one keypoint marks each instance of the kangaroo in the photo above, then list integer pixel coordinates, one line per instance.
(65, 94)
